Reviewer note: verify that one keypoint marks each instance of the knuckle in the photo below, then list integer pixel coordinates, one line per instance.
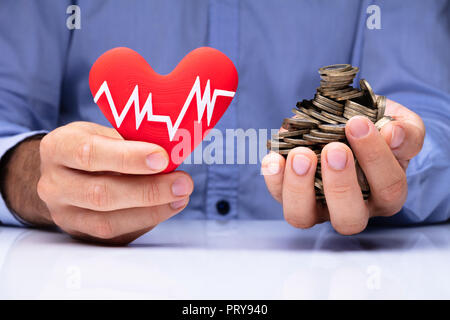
(43, 189)
(84, 154)
(371, 156)
(124, 159)
(151, 193)
(98, 196)
(57, 218)
(298, 189)
(103, 229)
(46, 146)
(338, 190)
(393, 192)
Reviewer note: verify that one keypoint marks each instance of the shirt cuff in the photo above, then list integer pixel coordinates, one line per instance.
(7, 217)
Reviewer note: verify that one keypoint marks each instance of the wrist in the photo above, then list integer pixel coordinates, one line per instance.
(19, 174)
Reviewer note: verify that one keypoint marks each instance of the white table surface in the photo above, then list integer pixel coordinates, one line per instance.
(230, 260)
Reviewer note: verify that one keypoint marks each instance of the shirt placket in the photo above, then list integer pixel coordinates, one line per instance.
(223, 179)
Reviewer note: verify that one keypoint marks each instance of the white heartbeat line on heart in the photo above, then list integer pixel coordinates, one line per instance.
(147, 109)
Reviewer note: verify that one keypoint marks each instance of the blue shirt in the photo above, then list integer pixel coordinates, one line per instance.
(277, 48)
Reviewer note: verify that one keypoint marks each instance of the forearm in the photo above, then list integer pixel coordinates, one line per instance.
(20, 172)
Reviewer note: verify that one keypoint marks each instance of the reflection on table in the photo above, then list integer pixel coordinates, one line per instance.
(230, 260)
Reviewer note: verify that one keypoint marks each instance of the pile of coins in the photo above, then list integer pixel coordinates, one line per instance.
(322, 120)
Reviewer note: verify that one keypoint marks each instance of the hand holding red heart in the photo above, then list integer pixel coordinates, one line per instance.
(97, 186)
(100, 187)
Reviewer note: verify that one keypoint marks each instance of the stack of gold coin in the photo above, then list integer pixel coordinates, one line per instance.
(322, 120)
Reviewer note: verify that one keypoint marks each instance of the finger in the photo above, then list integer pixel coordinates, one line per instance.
(348, 211)
(94, 128)
(272, 167)
(406, 134)
(109, 225)
(299, 198)
(386, 177)
(121, 240)
(100, 153)
(113, 192)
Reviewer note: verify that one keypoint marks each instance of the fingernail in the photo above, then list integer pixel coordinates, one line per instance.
(180, 187)
(156, 161)
(270, 165)
(301, 164)
(398, 135)
(337, 158)
(359, 127)
(178, 204)
(273, 167)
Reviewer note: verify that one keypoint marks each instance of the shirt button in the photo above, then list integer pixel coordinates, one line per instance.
(223, 207)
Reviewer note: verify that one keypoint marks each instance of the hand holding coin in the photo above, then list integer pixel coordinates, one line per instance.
(383, 157)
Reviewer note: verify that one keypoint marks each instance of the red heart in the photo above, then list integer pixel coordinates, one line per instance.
(164, 109)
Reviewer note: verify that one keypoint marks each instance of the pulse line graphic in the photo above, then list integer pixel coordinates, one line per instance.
(203, 103)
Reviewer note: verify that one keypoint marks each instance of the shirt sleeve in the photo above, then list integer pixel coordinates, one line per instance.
(408, 61)
(33, 43)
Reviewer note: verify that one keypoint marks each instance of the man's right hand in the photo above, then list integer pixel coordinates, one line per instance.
(102, 188)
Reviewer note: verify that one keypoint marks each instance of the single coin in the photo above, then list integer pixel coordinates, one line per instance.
(341, 94)
(312, 138)
(303, 115)
(327, 135)
(334, 117)
(326, 91)
(333, 128)
(329, 105)
(335, 84)
(328, 109)
(360, 108)
(381, 105)
(365, 86)
(328, 101)
(352, 71)
(272, 144)
(318, 184)
(362, 180)
(359, 113)
(382, 122)
(299, 142)
(301, 123)
(297, 111)
(317, 115)
(335, 68)
(350, 114)
(337, 78)
(294, 133)
(305, 110)
(350, 95)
